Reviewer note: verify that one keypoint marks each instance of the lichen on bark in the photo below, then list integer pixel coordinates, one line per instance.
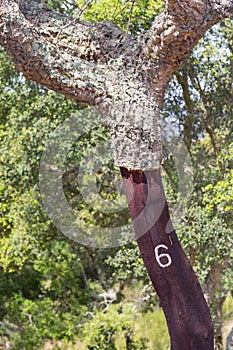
(123, 76)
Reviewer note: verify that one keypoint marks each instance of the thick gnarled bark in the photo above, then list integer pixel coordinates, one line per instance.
(57, 52)
(97, 62)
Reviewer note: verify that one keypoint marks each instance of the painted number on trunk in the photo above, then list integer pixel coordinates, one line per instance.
(160, 256)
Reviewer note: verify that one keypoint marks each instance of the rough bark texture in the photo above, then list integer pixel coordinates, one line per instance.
(123, 76)
(180, 294)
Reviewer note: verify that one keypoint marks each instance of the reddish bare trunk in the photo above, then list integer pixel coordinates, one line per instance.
(181, 297)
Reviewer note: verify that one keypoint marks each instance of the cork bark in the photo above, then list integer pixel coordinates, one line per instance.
(123, 76)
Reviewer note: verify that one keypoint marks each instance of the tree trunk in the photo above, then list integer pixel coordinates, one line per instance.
(213, 290)
(181, 297)
(230, 341)
(218, 323)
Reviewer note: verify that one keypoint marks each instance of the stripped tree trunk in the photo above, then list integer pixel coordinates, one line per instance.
(125, 78)
(180, 294)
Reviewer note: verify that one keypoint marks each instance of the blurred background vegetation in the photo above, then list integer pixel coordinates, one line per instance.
(58, 294)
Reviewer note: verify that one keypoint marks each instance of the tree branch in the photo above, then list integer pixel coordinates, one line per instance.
(68, 56)
(176, 31)
(71, 56)
(123, 76)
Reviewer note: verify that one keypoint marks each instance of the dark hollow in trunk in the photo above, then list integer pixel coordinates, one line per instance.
(181, 297)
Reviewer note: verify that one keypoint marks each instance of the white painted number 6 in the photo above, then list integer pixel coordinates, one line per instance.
(159, 256)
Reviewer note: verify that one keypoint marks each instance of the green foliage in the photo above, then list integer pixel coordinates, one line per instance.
(228, 306)
(127, 264)
(218, 196)
(134, 17)
(39, 320)
(154, 327)
(208, 74)
(205, 238)
(37, 264)
(101, 332)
